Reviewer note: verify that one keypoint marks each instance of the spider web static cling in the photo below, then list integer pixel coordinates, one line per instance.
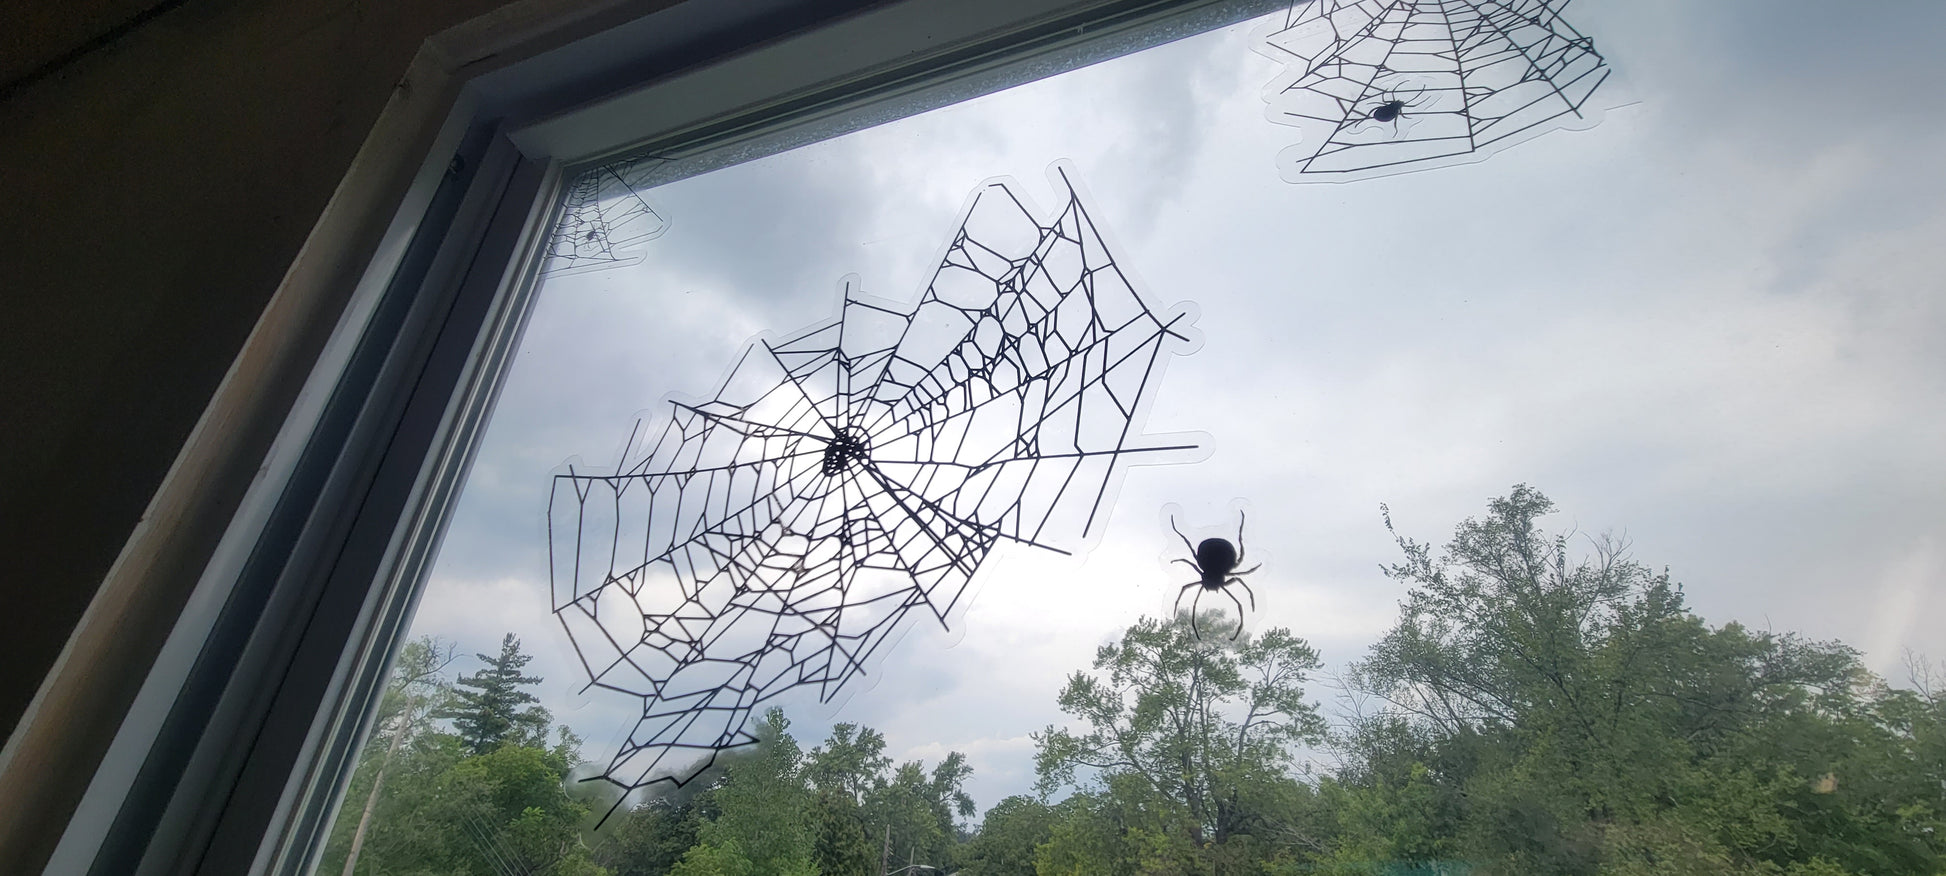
(777, 535)
(606, 220)
(1470, 77)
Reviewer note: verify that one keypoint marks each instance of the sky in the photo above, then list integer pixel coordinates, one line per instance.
(1710, 324)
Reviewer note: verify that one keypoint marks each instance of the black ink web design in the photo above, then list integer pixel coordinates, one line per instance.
(775, 536)
(1386, 86)
(606, 220)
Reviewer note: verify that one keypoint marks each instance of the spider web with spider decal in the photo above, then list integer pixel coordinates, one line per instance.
(777, 535)
(1468, 77)
(606, 220)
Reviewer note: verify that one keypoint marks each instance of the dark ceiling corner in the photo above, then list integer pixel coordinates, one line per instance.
(38, 39)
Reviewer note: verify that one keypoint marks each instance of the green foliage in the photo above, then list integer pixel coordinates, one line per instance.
(416, 689)
(438, 807)
(443, 811)
(765, 812)
(649, 839)
(781, 810)
(1008, 837)
(921, 810)
(1190, 736)
(1530, 712)
(1542, 714)
(843, 843)
(864, 805)
(710, 859)
(842, 773)
(778, 810)
(1086, 838)
(1121, 829)
(487, 710)
(851, 762)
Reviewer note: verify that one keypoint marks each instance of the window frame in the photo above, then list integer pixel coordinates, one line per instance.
(235, 751)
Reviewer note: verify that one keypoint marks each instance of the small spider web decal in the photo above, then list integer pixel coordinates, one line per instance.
(777, 535)
(1377, 87)
(606, 220)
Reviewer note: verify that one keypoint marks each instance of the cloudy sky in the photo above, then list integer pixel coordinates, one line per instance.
(1711, 323)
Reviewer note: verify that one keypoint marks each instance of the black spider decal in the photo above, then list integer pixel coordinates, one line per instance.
(1215, 561)
(1478, 76)
(1390, 109)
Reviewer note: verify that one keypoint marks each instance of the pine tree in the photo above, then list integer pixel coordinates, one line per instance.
(488, 709)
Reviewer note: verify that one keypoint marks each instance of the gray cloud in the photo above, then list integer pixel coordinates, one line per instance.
(1710, 322)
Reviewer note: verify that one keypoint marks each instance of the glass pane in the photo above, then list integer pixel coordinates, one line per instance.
(890, 504)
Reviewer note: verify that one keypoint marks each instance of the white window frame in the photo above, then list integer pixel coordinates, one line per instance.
(233, 757)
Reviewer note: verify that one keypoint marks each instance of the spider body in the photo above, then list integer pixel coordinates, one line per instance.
(1390, 109)
(1215, 558)
(1215, 561)
(847, 447)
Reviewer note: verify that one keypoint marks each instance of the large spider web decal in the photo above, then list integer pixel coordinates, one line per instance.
(1376, 87)
(775, 536)
(606, 220)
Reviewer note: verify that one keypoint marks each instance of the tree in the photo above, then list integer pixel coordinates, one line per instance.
(863, 803)
(509, 809)
(1529, 712)
(431, 804)
(448, 812)
(649, 839)
(487, 710)
(414, 691)
(843, 843)
(906, 805)
(1543, 714)
(764, 823)
(851, 762)
(713, 859)
(947, 790)
(1009, 836)
(922, 810)
(842, 772)
(1189, 734)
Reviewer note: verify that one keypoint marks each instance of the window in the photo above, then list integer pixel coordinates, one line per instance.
(1686, 330)
(244, 717)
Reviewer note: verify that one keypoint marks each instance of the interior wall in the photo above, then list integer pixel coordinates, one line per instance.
(153, 190)
(39, 36)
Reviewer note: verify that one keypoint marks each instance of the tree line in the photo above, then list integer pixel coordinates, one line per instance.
(1528, 713)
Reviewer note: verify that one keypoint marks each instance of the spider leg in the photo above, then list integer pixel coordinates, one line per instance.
(1249, 570)
(1239, 537)
(1185, 538)
(1194, 610)
(1246, 589)
(1185, 589)
(1233, 598)
(1189, 563)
